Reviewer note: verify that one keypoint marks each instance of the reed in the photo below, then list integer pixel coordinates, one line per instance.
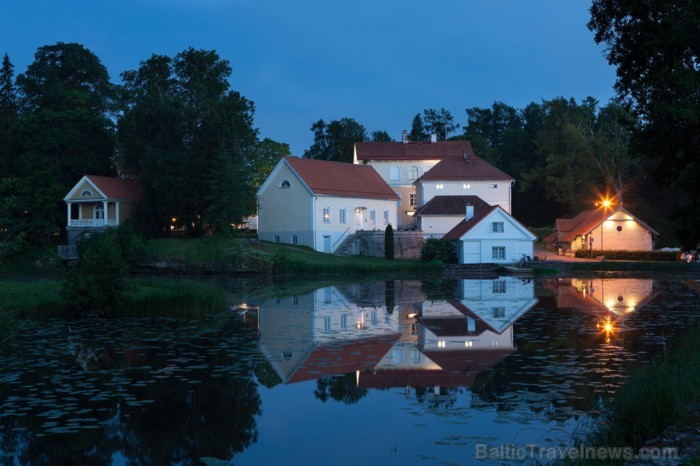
(170, 297)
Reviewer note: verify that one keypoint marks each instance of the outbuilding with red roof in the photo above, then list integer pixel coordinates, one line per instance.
(318, 203)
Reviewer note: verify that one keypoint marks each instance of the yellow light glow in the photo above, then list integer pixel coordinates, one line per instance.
(607, 203)
(608, 326)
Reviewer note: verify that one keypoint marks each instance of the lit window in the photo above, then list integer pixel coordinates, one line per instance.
(498, 227)
(326, 215)
(343, 215)
(498, 252)
(412, 173)
(284, 184)
(441, 343)
(468, 344)
(386, 217)
(467, 186)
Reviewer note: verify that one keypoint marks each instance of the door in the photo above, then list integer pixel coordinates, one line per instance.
(327, 244)
(358, 219)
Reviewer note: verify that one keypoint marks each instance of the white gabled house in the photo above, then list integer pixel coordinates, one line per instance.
(491, 236)
(318, 204)
(419, 171)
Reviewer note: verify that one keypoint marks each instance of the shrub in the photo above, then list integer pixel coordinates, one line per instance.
(98, 281)
(438, 249)
(631, 255)
(389, 242)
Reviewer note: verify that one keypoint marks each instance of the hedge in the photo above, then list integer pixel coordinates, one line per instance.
(631, 255)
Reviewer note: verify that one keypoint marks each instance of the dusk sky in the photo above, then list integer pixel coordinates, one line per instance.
(380, 62)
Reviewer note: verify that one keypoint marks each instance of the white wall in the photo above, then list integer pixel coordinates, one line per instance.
(437, 226)
(339, 231)
(484, 189)
(632, 237)
(403, 186)
(477, 244)
(285, 212)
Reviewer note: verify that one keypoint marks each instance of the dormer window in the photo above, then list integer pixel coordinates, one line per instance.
(86, 193)
(285, 184)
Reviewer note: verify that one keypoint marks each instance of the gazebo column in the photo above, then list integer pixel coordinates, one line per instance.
(116, 213)
(104, 206)
(68, 216)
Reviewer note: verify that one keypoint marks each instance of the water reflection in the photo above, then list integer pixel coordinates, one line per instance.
(435, 367)
(389, 335)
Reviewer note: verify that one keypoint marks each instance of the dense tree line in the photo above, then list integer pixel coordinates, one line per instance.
(174, 124)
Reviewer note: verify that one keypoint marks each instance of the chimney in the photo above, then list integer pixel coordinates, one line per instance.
(465, 156)
(433, 138)
(404, 137)
(470, 212)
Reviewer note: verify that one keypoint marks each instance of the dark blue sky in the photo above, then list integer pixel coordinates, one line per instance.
(380, 62)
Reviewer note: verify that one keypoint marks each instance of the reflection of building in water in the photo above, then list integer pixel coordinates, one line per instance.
(615, 298)
(455, 340)
(322, 333)
(389, 336)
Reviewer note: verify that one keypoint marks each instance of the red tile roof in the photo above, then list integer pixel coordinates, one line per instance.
(458, 169)
(569, 228)
(451, 205)
(341, 179)
(382, 151)
(118, 188)
(465, 225)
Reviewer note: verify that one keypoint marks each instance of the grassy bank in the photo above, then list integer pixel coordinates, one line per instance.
(18, 299)
(654, 398)
(232, 254)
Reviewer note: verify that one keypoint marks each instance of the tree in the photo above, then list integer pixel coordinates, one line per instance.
(439, 122)
(65, 76)
(267, 154)
(8, 104)
(389, 242)
(63, 131)
(190, 141)
(655, 49)
(418, 132)
(335, 141)
(380, 136)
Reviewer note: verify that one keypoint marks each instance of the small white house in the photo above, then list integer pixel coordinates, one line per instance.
(491, 235)
(318, 204)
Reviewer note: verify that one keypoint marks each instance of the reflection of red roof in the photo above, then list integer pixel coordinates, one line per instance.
(341, 179)
(379, 151)
(457, 169)
(450, 205)
(344, 357)
(459, 369)
(118, 188)
(584, 222)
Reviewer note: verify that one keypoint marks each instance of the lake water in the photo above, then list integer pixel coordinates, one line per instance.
(390, 372)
